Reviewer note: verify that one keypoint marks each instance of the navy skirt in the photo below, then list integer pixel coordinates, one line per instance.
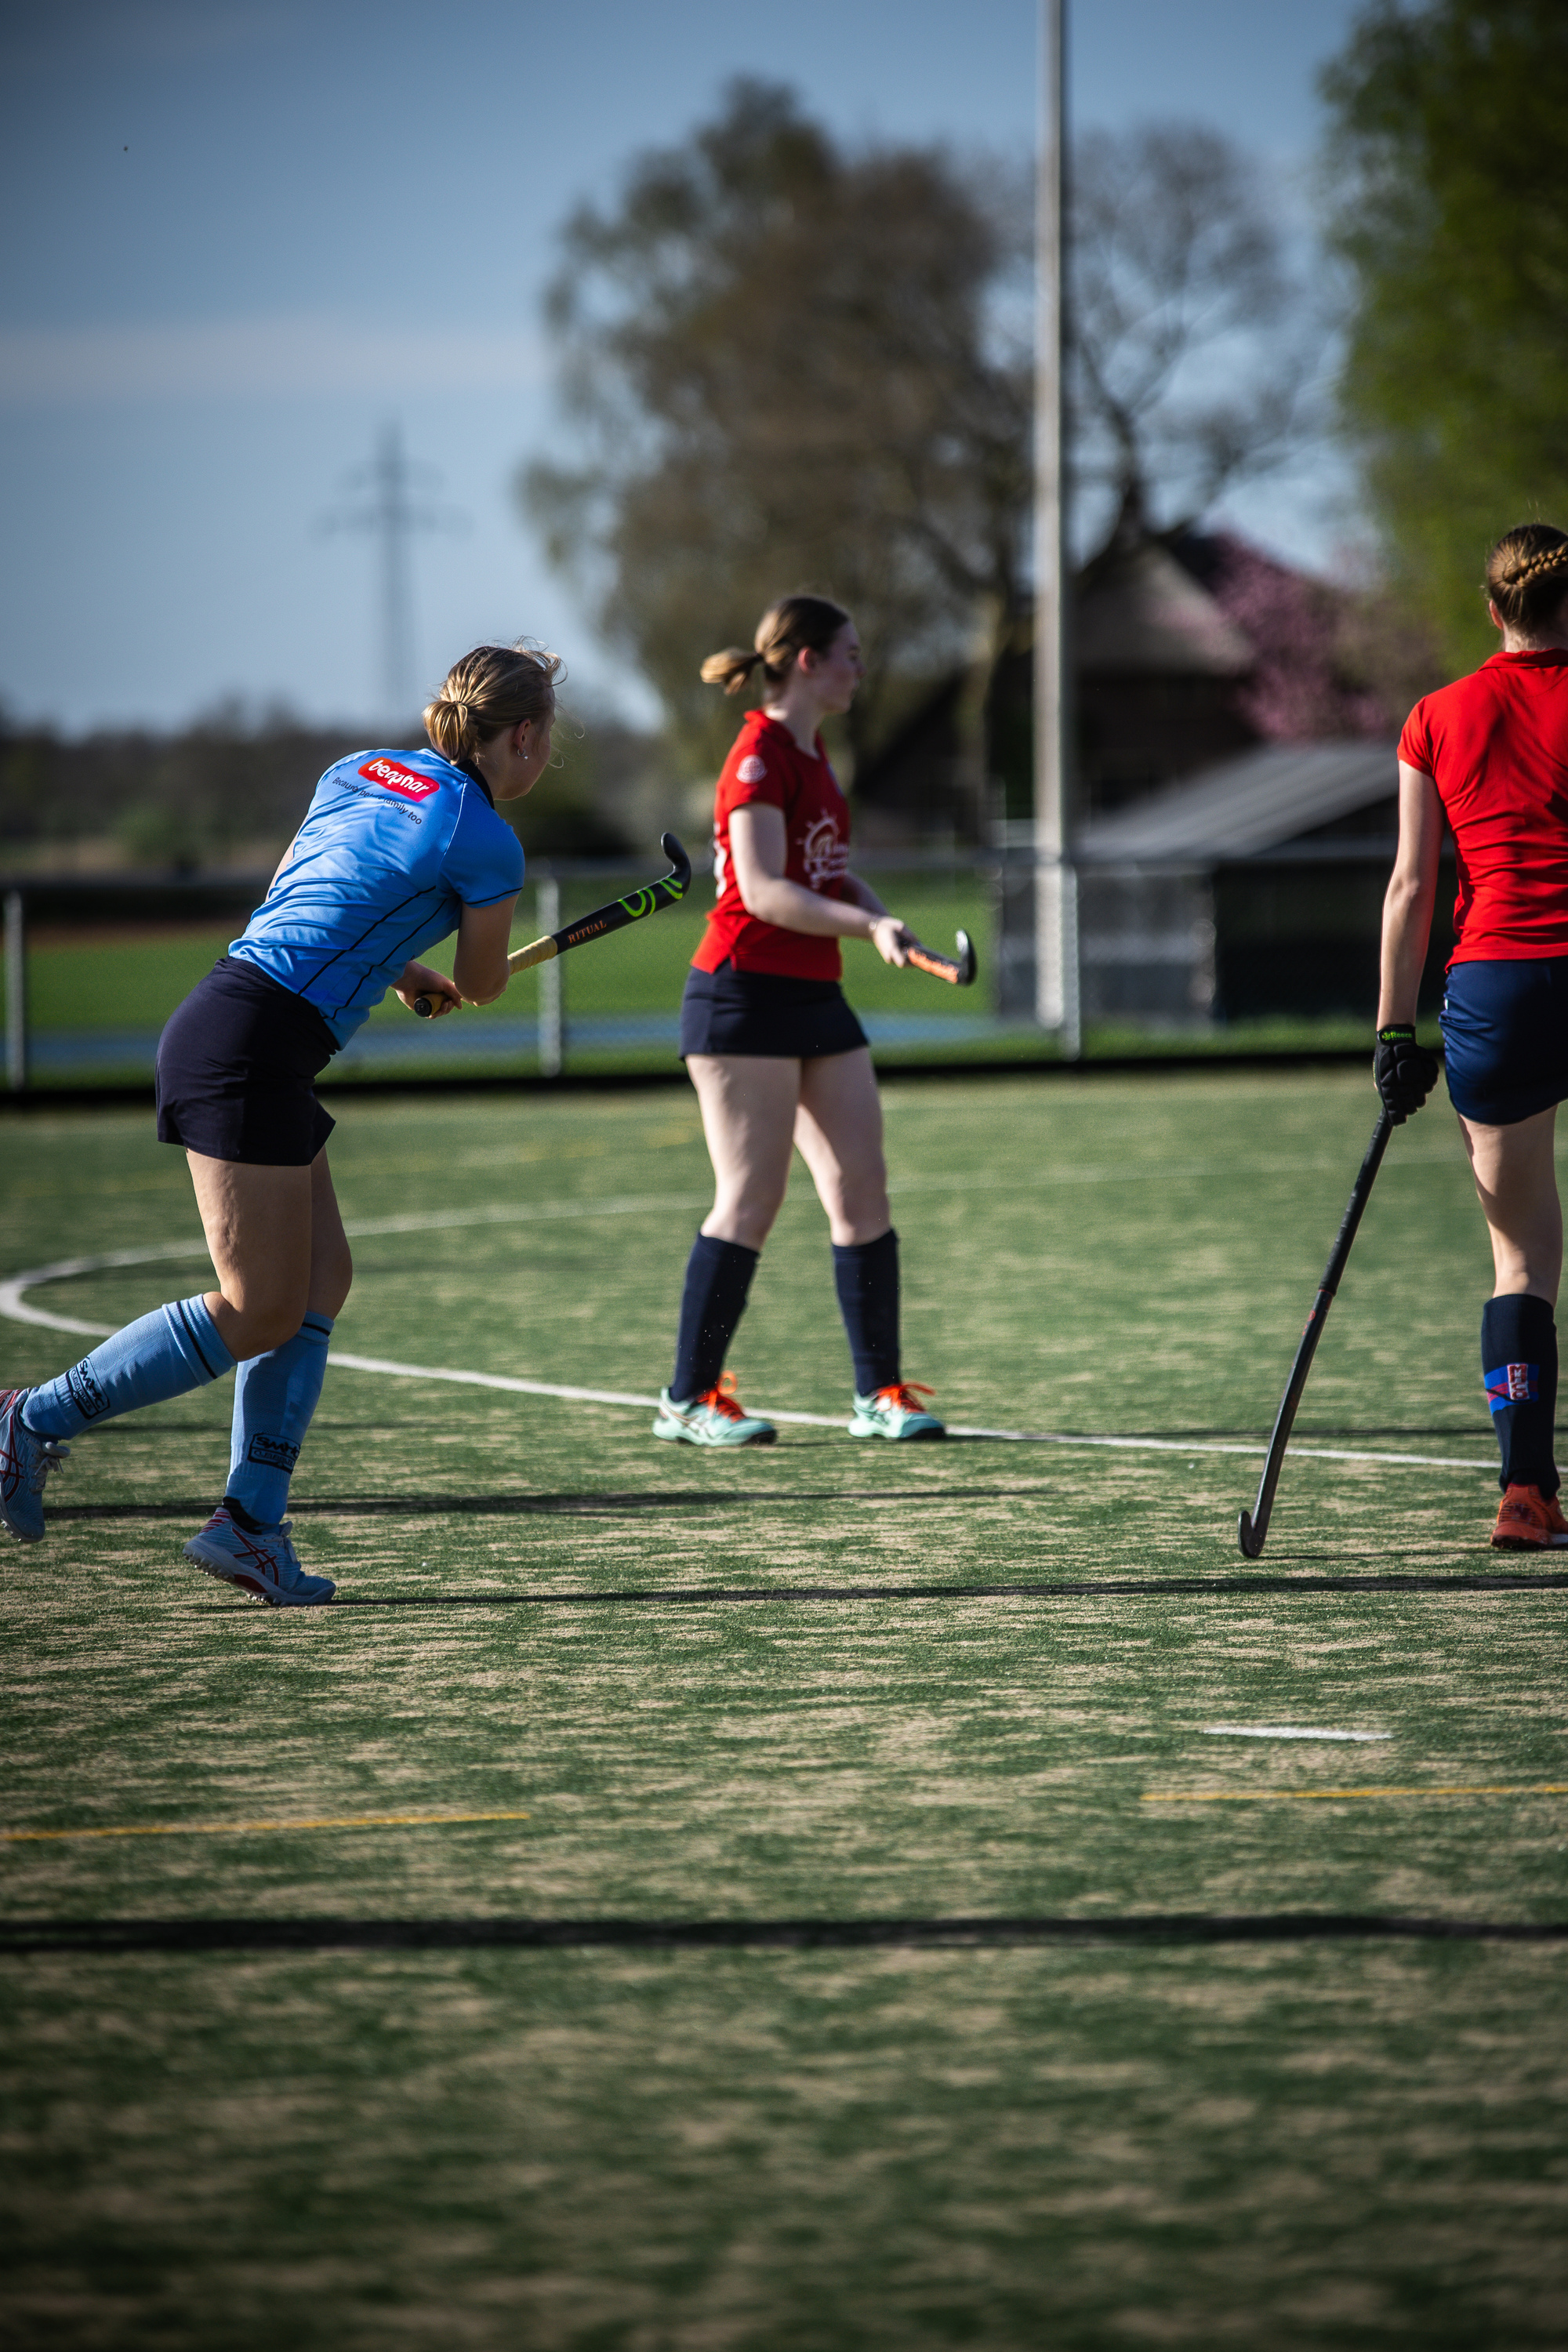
(236, 1069)
(1505, 1038)
(773, 1012)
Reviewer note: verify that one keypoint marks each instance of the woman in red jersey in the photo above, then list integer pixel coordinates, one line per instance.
(1489, 755)
(778, 1059)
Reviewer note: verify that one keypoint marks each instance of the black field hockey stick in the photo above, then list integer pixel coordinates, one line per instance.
(958, 971)
(668, 891)
(1252, 1527)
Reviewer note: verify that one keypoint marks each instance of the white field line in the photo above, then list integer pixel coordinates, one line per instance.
(1282, 1731)
(15, 1306)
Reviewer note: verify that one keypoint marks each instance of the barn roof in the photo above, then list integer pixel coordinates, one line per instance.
(1244, 806)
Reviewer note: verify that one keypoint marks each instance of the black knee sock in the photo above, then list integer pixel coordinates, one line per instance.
(866, 1274)
(1519, 1364)
(717, 1277)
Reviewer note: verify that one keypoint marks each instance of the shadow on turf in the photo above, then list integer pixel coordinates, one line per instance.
(89, 1935)
(1143, 1588)
(582, 1505)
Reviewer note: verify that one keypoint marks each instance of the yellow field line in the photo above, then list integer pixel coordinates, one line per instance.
(1322, 1796)
(246, 1829)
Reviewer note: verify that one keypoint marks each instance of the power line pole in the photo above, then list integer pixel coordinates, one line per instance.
(1056, 881)
(384, 501)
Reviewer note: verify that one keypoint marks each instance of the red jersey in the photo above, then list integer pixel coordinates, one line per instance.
(767, 763)
(1496, 746)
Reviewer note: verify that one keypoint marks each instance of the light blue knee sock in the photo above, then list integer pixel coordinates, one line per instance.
(274, 1397)
(159, 1356)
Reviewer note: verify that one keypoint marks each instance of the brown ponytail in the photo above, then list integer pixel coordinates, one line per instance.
(492, 690)
(793, 626)
(1527, 575)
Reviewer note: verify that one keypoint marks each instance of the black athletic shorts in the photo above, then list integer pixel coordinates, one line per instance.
(731, 1011)
(1505, 1038)
(235, 1067)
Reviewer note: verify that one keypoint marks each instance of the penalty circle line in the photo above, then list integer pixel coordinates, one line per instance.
(15, 1306)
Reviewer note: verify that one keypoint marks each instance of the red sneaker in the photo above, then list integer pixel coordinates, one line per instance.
(1528, 1520)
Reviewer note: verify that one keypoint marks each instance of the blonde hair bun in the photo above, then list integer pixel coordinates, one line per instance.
(492, 690)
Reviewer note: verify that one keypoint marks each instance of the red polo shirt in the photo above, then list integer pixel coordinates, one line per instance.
(1496, 746)
(767, 763)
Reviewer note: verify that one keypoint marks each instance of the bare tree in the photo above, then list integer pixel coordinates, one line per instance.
(1192, 342)
(786, 366)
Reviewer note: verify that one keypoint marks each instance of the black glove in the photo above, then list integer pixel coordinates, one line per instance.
(1405, 1071)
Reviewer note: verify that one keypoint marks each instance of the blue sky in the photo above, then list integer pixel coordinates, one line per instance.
(244, 236)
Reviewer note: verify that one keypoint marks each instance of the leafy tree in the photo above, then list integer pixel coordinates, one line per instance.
(790, 368)
(1450, 167)
(1192, 342)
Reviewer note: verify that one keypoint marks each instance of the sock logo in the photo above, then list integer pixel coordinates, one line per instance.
(273, 1453)
(85, 1394)
(1512, 1384)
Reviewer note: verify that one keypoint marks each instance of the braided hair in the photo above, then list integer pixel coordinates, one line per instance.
(1527, 575)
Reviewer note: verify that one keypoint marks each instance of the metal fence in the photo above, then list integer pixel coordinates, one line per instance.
(1177, 949)
(92, 970)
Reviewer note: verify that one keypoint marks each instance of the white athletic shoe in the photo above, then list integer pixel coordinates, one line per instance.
(25, 1460)
(714, 1418)
(892, 1412)
(266, 1565)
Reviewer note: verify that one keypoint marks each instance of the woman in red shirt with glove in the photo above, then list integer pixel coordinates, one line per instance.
(1489, 754)
(778, 1059)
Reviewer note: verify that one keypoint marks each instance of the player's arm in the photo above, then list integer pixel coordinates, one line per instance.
(758, 850)
(480, 966)
(1410, 897)
(1405, 1071)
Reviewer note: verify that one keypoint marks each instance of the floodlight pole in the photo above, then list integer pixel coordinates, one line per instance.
(1057, 1002)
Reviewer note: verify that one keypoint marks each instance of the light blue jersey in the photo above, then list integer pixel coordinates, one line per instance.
(394, 847)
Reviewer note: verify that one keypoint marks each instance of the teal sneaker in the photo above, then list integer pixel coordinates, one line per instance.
(713, 1419)
(892, 1412)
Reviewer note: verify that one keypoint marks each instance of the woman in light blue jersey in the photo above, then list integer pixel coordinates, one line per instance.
(397, 850)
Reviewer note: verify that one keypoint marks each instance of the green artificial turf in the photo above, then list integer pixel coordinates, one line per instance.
(1313, 2144)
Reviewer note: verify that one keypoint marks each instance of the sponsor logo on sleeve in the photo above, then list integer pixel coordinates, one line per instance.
(752, 770)
(406, 782)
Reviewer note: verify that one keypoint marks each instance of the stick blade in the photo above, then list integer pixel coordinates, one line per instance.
(677, 858)
(967, 962)
(1250, 1538)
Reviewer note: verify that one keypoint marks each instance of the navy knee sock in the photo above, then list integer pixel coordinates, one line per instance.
(717, 1277)
(867, 1274)
(1519, 1365)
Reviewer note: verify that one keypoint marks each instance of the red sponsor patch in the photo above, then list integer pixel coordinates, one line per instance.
(407, 782)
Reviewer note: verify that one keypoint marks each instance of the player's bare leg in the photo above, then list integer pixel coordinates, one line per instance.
(839, 1134)
(284, 1269)
(1516, 1183)
(748, 1106)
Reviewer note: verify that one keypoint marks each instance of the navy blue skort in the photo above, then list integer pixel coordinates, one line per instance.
(772, 1012)
(236, 1062)
(1505, 1038)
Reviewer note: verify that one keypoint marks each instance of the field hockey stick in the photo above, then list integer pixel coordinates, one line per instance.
(959, 971)
(668, 891)
(1252, 1527)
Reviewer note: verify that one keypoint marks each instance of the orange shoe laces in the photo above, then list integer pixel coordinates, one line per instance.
(722, 1398)
(904, 1392)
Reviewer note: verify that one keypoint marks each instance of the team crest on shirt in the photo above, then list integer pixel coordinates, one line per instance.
(407, 782)
(752, 770)
(824, 853)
